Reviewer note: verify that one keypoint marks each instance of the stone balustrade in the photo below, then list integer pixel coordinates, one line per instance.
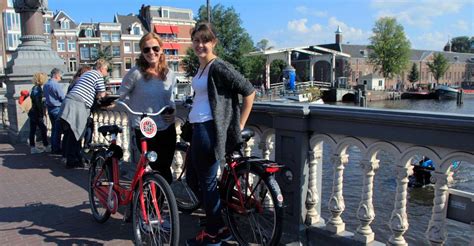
(294, 135)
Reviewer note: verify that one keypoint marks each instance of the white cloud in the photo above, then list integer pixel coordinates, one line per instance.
(311, 12)
(421, 14)
(430, 41)
(298, 25)
(462, 26)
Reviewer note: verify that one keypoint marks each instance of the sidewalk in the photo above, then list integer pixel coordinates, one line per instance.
(43, 203)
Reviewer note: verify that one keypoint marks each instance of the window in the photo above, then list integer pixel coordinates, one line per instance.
(116, 51)
(105, 36)
(136, 30)
(94, 52)
(71, 45)
(12, 21)
(128, 63)
(136, 47)
(61, 45)
(84, 53)
(173, 65)
(65, 24)
(380, 83)
(47, 26)
(88, 32)
(365, 82)
(116, 37)
(127, 47)
(13, 40)
(171, 52)
(72, 65)
(10, 3)
(165, 13)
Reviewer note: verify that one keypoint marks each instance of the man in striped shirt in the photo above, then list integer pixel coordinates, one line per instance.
(76, 108)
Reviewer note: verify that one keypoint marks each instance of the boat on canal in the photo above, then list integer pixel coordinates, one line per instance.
(446, 92)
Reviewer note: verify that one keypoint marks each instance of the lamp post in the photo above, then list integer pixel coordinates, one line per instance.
(208, 11)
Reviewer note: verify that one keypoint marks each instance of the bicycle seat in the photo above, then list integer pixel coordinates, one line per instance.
(247, 134)
(112, 129)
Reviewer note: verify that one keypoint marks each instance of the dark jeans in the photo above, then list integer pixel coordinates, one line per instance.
(201, 175)
(37, 121)
(53, 113)
(72, 151)
(164, 144)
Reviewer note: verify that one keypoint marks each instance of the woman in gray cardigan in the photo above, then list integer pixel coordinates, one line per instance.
(148, 87)
(217, 121)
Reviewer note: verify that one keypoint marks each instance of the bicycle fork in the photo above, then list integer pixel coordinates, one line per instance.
(155, 205)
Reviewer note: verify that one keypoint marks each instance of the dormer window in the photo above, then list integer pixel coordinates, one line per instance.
(65, 24)
(363, 53)
(136, 29)
(88, 32)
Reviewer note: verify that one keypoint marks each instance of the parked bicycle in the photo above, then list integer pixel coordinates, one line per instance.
(252, 199)
(154, 210)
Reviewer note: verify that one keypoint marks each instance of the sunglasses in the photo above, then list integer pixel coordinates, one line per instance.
(147, 50)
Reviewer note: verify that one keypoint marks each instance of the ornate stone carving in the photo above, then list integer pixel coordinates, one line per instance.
(436, 232)
(312, 198)
(30, 5)
(366, 213)
(336, 202)
(399, 219)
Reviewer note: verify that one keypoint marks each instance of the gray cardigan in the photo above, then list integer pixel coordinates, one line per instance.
(224, 85)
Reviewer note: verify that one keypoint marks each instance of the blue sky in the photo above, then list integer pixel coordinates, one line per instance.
(428, 24)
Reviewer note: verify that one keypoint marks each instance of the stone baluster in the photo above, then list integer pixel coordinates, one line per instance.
(366, 213)
(248, 147)
(126, 137)
(436, 232)
(312, 199)
(95, 135)
(100, 122)
(118, 122)
(336, 202)
(266, 148)
(399, 219)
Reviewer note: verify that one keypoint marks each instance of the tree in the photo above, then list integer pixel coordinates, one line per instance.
(414, 75)
(390, 48)
(438, 66)
(190, 63)
(234, 40)
(462, 44)
(263, 45)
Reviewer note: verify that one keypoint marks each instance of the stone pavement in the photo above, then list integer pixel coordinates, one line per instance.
(43, 203)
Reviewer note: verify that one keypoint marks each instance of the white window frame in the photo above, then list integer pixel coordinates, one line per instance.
(125, 62)
(115, 37)
(115, 49)
(136, 47)
(84, 53)
(127, 47)
(47, 25)
(88, 32)
(136, 28)
(65, 24)
(71, 45)
(105, 37)
(61, 45)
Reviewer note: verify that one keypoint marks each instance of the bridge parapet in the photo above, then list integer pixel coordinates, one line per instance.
(295, 136)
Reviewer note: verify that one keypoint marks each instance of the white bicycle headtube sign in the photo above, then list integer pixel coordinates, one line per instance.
(148, 127)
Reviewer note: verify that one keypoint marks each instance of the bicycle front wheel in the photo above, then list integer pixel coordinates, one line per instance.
(254, 208)
(99, 173)
(155, 221)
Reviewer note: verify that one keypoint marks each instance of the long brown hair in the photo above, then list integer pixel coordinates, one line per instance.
(142, 63)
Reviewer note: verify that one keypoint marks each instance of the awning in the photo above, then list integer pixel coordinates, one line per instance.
(176, 46)
(171, 46)
(161, 29)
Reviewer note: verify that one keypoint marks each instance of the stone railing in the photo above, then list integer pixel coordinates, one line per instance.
(294, 135)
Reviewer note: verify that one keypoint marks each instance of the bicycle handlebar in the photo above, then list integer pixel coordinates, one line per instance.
(166, 109)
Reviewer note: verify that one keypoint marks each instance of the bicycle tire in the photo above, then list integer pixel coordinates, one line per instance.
(245, 224)
(155, 232)
(98, 163)
(186, 200)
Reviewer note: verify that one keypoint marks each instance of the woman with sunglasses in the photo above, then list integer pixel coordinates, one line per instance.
(217, 119)
(148, 87)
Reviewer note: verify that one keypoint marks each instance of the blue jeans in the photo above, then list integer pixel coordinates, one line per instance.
(202, 173)
(53, 113)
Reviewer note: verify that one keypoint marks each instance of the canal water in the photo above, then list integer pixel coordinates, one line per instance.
(420, 200)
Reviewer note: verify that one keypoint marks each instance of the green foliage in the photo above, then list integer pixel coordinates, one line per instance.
(263, 45)
(390, 48)
(462, 44)
(190, 63)
(414, 75)
(438, 66)
(276, 70)
(315, 93)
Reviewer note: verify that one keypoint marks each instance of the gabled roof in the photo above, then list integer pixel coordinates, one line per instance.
(61, 15)
(127, 21)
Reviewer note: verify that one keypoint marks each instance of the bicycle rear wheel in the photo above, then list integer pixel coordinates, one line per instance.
(161, 227)
(99, 172)
(254, 207)
(186, 200)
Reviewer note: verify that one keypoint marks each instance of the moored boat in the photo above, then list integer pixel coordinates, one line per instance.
(468, 88)
(446, 92)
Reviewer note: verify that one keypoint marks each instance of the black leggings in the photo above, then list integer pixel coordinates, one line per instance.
(164, 144)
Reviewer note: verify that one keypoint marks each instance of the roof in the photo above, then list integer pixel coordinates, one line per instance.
(62, 15)
(127, 21)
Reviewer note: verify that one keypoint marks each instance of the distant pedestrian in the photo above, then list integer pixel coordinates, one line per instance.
(37, 113)
(54, 95)
(77, 107)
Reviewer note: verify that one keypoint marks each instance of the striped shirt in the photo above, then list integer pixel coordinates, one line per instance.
(88, 85)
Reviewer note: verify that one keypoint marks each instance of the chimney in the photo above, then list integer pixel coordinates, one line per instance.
(338, 35)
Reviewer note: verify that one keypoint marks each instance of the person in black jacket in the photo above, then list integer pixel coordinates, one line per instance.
(37, 113)
(217, 120)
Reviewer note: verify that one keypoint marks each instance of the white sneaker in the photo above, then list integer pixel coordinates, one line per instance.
(47, 149)
(35, 150)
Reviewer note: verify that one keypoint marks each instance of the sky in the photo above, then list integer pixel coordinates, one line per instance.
(428, 24)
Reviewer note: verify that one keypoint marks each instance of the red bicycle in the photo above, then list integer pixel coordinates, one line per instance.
(251, 197)
(154, 209)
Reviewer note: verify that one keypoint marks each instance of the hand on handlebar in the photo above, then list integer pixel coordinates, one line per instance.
(169, 115)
